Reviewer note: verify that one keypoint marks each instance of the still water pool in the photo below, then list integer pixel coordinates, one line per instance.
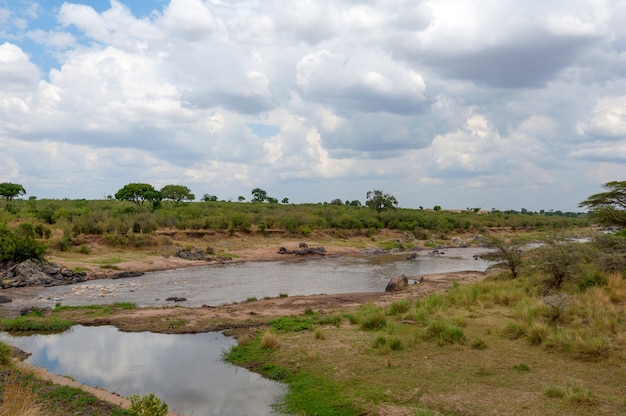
(184, 370)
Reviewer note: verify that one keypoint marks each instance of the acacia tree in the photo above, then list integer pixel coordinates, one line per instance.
(177, 193)
(380, 201)
(608, 208)
(259, 195)
(11, 190)
(137, 193)
(507, 252)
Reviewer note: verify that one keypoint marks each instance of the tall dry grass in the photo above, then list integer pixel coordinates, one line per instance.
(19, 398)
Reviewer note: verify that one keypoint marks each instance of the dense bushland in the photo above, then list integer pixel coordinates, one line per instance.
(121, 221)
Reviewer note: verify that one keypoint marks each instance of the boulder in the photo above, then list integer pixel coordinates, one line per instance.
(38, 273)
(397, 283)
(192, 253)
(126, 274)
(5, 299)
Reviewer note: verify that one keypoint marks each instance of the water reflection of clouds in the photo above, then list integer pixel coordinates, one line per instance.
(185, 370)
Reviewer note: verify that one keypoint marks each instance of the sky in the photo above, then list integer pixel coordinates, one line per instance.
(459, 103)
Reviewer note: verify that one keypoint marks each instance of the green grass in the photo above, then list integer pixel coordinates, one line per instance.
(27, 324)
(292, 324)
(470, 346)
(97, 310)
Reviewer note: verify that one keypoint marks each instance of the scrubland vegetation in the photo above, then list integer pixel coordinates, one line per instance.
(60, 223)
(543, 334)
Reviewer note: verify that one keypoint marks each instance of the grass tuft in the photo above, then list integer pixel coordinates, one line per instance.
(269, 340)
(19, 398)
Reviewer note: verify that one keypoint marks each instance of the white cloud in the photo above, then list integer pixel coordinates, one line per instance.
(411, 97)
(190, 20)
(17, 73)
(608, 119)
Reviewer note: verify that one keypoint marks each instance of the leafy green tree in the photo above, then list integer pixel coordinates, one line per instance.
(241, 198)
(285, 201)
(272, 200)
(11, 190)
(608, 208)
(259, 195)
(154, 197)
(437, 208)
(380, 201)
(137, 193)
(209, 198)
(177, 193)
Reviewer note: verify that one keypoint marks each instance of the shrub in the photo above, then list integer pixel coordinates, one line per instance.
(149, 405)
(16, 246)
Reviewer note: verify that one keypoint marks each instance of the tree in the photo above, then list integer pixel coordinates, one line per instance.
(285, 201)
(209, 198)
(561, 262)
(137, 193)
(154, 197)
(241, 198)
(177, 193)
(507, 252)
(380, 201)
(259, 195)
(608, 208)
(11, 190)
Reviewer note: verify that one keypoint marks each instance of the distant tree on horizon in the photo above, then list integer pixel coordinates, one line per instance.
(136, 193)
(259, 195)
(380, 201)
(177, 193)
(11, 190)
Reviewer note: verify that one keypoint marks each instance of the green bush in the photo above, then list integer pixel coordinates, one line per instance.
(149, 405)
(19, 246)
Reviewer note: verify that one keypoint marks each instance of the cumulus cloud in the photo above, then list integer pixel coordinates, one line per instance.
(363, 81)
(413, 97)
(17, 73)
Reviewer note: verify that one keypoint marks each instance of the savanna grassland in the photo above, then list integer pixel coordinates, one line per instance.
(544, 334)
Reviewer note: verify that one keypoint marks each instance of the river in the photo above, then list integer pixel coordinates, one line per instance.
(186, 370)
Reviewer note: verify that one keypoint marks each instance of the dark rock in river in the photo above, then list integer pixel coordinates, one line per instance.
(126, 274)
(38, 273)
(175, 299)
(192, 253)
(5, 299)
(304, 251)
(397, 283)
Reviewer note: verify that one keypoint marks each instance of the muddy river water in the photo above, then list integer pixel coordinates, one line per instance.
(186, 370)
